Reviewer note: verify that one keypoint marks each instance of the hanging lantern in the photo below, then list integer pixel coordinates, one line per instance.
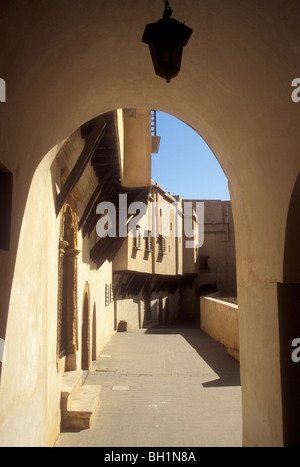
(166, 39)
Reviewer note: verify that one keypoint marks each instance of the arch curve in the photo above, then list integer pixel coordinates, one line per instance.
(289, 322)
(291, 269)
(233, 89)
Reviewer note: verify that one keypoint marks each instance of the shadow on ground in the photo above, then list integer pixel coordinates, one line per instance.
(213, 353)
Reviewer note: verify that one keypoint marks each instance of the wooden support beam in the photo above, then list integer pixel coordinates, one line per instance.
(78, 169)
(91, 204)
(119, 283)
(105, 195)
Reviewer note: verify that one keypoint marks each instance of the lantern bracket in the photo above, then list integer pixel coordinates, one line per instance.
(168, 10)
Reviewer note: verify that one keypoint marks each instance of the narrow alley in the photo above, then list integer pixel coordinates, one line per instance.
(163, 387)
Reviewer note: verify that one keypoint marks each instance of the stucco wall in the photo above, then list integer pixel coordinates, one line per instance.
(164, 310)
(234, 89)
(130, 310)
(220, 320)
(31, 382)
(30, 386)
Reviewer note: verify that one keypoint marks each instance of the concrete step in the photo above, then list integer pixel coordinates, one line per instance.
(72, 381)
(82, 409)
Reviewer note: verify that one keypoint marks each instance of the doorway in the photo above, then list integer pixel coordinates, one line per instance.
(85, 331)
(94, 334)
(67, 289)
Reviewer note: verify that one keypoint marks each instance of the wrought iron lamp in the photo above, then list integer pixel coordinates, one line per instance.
(166, 39)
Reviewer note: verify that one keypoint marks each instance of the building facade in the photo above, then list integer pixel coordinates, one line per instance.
(148, 267)
(159, 276)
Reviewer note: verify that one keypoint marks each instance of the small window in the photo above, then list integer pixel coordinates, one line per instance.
(107, 294)
(6, 190)
(148, 242)
(137, 240)
(162, 248)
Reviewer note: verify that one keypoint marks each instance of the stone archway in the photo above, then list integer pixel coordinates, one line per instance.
(289, 323)
(234, 90)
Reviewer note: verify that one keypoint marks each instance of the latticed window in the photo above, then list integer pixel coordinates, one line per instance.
(137, 240)
(162, 245)
(107, 294)
(148, 242)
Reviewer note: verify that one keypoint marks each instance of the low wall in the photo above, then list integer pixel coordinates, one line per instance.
(219, 319)
(164, 310)
(130, 310)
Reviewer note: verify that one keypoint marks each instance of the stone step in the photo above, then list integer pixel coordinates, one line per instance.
(82, 409)
(72, 381)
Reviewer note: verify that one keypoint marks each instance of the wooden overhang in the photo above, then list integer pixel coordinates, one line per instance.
(92, 142)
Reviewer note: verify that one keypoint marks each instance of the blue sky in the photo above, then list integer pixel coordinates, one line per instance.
(185, 165)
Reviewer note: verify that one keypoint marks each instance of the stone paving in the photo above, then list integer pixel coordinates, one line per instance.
(164, 387)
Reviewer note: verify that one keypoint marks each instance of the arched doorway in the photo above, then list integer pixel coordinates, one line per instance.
(67, 288)
(289, 323)
(85, 331)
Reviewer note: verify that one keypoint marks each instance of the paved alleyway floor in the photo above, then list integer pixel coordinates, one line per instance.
(164, 387)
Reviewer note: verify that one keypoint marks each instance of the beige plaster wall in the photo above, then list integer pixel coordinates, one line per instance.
(139, 259)
(220, 320)
(30, 384)
(96, 279)
(120, 262)
(137, 149)
(130, 310)
(218, 246)
(65, 67)
(168, 262)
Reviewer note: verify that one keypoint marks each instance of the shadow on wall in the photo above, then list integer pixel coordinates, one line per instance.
(289, 323)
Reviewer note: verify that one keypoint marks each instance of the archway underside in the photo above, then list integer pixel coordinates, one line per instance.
(234, 90)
